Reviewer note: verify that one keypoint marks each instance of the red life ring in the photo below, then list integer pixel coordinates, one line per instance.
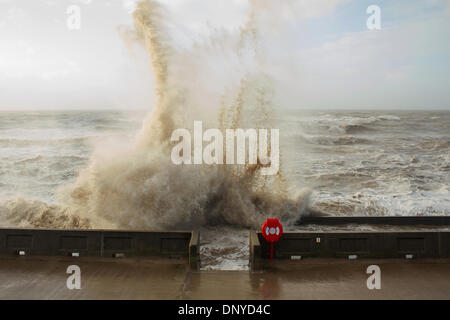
(272, 230)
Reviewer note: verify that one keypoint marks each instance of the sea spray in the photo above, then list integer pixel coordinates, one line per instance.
(140, 188)
(38, 214)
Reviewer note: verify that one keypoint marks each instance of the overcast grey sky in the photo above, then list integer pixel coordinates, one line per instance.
(324, 55)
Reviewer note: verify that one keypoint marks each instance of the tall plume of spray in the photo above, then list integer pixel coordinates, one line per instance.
(140, 188)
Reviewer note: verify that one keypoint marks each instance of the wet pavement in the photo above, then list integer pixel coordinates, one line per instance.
(45, 278)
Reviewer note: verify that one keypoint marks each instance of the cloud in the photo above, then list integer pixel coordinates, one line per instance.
(445, 4)
(393, 67)
(66, 68)
(129, 5)
(292, 10)
(15, 13)
(314, 63)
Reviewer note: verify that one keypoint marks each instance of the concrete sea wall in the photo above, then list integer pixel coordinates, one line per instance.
(429, 244)
(101, 243)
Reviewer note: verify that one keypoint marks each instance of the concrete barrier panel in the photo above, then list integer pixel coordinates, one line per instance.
(103, 243)
(364, 244)
(444, 244)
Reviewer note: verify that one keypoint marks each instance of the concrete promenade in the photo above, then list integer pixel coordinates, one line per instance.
(315, 278)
